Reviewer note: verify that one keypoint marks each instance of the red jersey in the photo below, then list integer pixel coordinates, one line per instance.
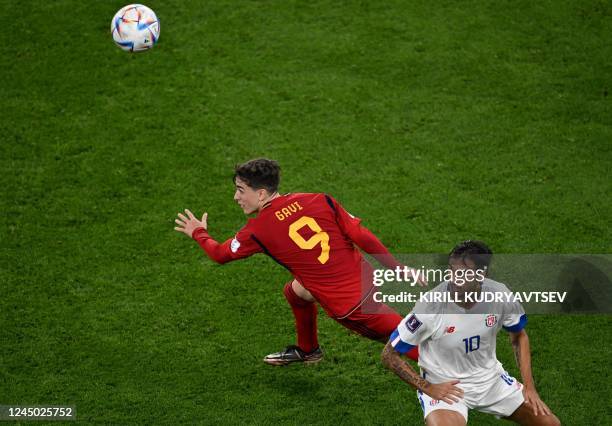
(312, 236)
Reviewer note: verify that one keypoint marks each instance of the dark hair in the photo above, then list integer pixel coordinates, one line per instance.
(260, 173)
(474, 250)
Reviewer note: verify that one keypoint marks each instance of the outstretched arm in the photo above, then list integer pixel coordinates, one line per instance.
(446, 392)
(198, 230)
(522, 354)
(367, 241)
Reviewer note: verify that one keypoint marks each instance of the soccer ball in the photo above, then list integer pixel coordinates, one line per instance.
(135, 28)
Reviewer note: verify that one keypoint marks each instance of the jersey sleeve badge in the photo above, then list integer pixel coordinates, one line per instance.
(235, 245)
(413, 323)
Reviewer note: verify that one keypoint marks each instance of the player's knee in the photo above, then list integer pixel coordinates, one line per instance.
(295, 298)
(301, 292)
(554, 421)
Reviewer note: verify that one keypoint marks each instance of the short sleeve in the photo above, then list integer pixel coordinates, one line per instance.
(515, 322)
(514, 319)
(412, 331)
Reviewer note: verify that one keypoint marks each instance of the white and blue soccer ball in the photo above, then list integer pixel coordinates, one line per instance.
(135, 28)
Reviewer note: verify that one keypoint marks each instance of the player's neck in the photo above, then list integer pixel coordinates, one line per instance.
(266, 201)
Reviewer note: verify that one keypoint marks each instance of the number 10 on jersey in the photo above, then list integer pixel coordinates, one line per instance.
(472, 344)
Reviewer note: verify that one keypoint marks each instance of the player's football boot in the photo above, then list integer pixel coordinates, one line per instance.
(293, 354)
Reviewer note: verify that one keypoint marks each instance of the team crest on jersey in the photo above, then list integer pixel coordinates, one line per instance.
(235, 245)
(413, 323)
(491, 320)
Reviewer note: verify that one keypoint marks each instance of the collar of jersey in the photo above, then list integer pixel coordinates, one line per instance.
(269, 203)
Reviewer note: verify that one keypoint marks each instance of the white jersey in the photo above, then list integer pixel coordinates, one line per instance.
(455, 343)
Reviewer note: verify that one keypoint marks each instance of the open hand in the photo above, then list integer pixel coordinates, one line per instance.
(532, 399)
(446, 392)
(188, 224)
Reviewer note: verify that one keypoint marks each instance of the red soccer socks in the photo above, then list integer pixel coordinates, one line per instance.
(305, 314)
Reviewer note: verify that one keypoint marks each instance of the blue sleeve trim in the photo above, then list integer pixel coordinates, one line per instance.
(518, 326)
(401, 346)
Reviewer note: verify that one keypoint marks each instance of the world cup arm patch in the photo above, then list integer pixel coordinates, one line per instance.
(413, 323)
(235, 245)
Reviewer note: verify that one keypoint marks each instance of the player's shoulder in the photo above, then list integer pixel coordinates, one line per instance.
(249, 227)
(310, 199)
(305, 196)
(429, 304)
(300, 195)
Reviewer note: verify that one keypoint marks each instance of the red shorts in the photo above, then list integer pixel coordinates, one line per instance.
(373, 320)
(373, 326)
(376, 324)
(352, 306)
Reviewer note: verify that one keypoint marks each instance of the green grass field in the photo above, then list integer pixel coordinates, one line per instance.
(433, 121)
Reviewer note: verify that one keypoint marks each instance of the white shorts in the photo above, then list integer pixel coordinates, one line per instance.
(500, 396)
